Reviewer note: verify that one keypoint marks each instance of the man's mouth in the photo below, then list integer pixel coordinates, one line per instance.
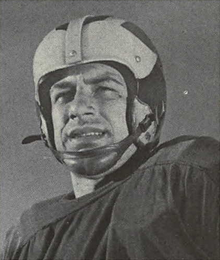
(87, 138)
(89, 134)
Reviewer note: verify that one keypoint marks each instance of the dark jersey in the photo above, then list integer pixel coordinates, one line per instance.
(165, 209)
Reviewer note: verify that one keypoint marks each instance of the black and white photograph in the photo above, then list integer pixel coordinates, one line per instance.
(110, 130)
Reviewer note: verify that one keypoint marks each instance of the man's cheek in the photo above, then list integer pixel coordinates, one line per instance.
(119, 126)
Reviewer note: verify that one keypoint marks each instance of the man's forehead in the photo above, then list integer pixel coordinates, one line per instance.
(93, 72)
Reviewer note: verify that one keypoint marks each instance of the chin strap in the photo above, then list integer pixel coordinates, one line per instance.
(97, 160)
(120, 146)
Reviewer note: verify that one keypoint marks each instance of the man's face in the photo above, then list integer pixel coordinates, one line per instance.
(89, 108)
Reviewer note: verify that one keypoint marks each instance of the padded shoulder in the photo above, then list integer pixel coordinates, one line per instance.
(39, 216)
(202, 152)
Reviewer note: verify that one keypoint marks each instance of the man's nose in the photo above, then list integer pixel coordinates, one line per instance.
(82, 105)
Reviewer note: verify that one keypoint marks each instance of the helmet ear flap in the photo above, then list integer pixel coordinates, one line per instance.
(140, 111)
(43, 126)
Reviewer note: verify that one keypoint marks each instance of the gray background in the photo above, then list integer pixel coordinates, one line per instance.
(186, 34)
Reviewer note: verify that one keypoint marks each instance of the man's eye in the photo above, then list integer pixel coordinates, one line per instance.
(107, 92)
(62, 96)
(106, 89)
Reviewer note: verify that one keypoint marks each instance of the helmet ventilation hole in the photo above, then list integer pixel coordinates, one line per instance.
(137, 58)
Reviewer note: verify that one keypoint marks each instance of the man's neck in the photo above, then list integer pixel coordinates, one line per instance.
(82, 185)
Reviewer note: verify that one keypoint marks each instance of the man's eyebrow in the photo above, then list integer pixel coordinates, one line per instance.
(104, 77)
(61, 85)
(92, 80)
